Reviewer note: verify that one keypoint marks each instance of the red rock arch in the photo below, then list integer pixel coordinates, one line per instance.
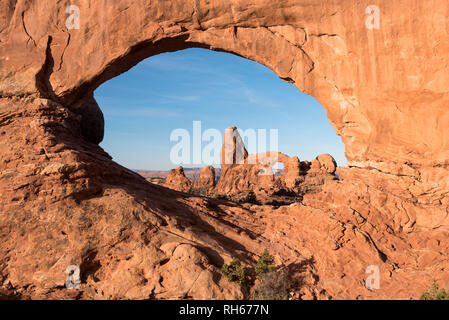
(368, 80)
(385, 93)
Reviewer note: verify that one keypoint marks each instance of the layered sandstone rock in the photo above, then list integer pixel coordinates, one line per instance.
(64, 201)
(327, 163)
(243, 172)
(207, 178)
(177, 180)
(376, 84)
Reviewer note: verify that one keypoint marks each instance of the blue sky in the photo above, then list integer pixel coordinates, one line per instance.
(171, 90)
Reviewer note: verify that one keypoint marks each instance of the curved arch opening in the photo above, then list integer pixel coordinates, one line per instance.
(171, 91)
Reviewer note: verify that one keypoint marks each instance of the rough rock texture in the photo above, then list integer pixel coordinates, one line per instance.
(177, 180)
(92, 121)
(376, 85)
(63, 200)
(327, 163)
(243, 172)
(207, 178)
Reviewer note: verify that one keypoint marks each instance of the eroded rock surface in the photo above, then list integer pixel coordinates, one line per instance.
(377, 85)
(207, 178)
(242, 172)
(177, 180)
(64, 201)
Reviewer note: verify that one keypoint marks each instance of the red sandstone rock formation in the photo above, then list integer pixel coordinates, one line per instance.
(327, 163)
(243, 172)
(193, 174)
(207, 178)
(64, 201)
(177, 180)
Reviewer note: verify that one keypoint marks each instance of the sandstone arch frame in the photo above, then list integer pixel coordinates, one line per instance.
(368, 80)
(385, 92)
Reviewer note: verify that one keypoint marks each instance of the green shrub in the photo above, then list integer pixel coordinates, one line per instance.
(285, 193)
(221, 197)
(234, 271)
(274, 286)
(435, 293)
(265, 264)
(250, 198)
(276, 203)
(199, 191)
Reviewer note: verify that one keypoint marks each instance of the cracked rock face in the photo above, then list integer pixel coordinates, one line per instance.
(64, 201)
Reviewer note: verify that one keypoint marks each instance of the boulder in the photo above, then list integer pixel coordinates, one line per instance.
(327, 162)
